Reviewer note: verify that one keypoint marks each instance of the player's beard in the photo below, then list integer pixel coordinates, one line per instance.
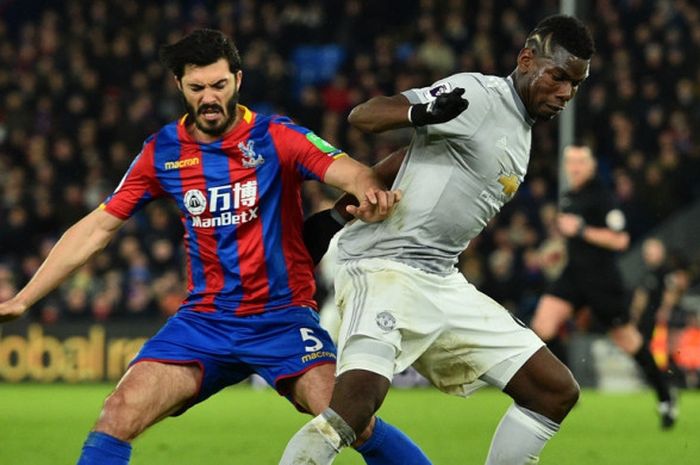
(203, 125)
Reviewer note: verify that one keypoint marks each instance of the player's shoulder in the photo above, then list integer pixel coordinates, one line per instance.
(167, 133)
(478, 89)
(478, 81)
(467, 81)
(286, 126)
(284, 123)
(164, 140)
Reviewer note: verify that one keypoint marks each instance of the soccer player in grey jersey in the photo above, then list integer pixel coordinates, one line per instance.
(401, 298)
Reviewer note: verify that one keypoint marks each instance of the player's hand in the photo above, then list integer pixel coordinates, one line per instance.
(375, 206)
(11, 309)
(442, 109)
(569, 225)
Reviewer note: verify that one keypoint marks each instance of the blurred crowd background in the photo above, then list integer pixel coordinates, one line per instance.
(81, 87)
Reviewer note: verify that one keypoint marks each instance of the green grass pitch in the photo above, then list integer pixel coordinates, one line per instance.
(46, 424)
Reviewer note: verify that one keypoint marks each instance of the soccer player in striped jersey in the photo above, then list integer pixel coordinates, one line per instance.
(235, 176)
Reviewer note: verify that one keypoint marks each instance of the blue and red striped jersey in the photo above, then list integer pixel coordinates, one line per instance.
(240, 201)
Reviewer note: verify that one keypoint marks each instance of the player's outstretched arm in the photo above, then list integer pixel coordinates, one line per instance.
(376, 202)
(76, 246)
(380, 114)
(320, 227)
(386, 170)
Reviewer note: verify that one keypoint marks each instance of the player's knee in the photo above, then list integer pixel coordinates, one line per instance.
(565, 396)
(557, 394)
(570, 395)
(366, 433)
(357, 396)
(119, 417)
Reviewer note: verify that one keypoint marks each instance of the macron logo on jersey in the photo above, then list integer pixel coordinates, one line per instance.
(221, 202)
(176, 165)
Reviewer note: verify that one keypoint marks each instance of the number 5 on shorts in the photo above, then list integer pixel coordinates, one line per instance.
(307, 334)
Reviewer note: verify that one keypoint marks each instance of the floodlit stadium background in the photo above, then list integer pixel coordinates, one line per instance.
(81, 87)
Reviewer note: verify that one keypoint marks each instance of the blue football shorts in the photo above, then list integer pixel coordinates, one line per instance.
(278, 345)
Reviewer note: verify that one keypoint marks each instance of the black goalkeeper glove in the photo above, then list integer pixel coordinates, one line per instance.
(442, 109)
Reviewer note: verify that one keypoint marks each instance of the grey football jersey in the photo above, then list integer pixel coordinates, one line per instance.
(456, 176)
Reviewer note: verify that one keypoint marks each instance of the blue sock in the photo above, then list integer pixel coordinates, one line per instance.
(103, 449)
(389, 446)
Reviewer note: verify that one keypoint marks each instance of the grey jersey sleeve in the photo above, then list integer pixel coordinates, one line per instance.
(469, 121)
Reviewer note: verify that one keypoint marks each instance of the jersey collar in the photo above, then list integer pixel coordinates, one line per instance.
(519, 102)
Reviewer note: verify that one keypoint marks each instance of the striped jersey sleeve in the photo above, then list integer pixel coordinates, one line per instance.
(302, 150)
(138, 186)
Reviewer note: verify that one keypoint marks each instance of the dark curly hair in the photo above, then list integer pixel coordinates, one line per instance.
(201, 47)
(567, 32)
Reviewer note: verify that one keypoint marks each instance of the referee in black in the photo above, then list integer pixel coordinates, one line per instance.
(595, 231)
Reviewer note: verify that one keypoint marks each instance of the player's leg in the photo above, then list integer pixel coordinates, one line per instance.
(628, 338)
(356, 397)
(177, 368)
(552, 311)
(147, 393)
(544, 392)
(380, 443)
(545, 386)
(368, 339)
(313, 390)
(555, 307)
(484, 343)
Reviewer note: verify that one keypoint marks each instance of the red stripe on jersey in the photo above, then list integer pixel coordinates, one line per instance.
(295, 148)
(249, 237)
(206, 238)
(252, 266)
(300, 267)
(139, 181)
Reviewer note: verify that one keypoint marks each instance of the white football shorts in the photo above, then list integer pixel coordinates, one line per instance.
(394, 316)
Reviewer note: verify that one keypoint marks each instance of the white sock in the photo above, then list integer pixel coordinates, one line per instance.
(318, 441)
(520, 437)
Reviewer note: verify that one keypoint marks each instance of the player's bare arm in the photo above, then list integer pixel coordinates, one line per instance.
(77, 245)
(359, 180)
(386, 171)
(320, 227)
(572, 225)
(381, 113)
